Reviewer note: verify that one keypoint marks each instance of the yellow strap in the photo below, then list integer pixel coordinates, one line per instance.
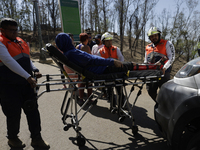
(65, 73)
(128, 73)
(83, 77)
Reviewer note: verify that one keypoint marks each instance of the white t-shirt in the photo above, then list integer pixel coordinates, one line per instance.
(11, 63)
(95, 49)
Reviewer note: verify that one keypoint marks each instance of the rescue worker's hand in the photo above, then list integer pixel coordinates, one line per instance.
(163, 70)
(38, 74)
(118, 63)
(134, 63)
(158, 63)
(163, 58)
(32, 82)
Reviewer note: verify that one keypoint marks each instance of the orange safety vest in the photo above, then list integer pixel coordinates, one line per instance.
(16, 49)
(110, 52)
(19, 50)
(159, 48)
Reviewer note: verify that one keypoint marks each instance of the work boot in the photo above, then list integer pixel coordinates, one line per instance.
(39, 143)
(16, 143)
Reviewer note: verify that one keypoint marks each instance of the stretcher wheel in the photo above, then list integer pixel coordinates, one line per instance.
(134, 129)
(77, 128)
(121, 119)
(66, 128)
(80, 141)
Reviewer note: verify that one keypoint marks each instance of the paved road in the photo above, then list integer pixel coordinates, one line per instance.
(100, 127)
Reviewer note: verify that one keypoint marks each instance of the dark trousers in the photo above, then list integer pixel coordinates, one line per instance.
(119, 92)
(153, 87)
(12, 102)
(112, 69)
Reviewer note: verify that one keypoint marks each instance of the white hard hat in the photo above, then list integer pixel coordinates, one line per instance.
(153, 30)
(106, 36)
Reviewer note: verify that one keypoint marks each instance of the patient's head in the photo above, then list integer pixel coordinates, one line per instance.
(64, 43)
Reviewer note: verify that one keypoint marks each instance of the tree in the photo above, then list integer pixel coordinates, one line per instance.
(112, 15)
(122, 9)
(145, 7)
(91, 15)
(24, 16)
(106, 11)
(132, 19)
(9, 8)
(53, 8)
(96, 16)
(180, 33)
(82, 14)
(164, 20)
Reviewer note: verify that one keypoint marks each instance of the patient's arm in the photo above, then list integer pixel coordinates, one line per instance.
(118, 63)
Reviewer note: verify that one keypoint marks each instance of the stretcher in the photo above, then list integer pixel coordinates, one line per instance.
(120, 105)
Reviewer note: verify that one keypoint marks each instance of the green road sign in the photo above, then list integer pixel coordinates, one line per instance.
(70, 19)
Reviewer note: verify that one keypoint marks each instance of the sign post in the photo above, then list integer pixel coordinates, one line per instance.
(70, 17)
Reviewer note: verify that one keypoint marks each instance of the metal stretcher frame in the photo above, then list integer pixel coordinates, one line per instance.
(134, 78)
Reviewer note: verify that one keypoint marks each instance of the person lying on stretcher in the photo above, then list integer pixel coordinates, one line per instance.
(94, 63)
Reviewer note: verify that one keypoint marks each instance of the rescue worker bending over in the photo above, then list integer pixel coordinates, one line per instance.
(155, 51)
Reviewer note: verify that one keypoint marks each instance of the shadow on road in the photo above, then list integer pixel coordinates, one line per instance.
(137, 141)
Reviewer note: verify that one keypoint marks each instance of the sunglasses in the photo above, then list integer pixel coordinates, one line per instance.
(12, 30)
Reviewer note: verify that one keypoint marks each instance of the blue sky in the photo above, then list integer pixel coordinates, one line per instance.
(170, 5)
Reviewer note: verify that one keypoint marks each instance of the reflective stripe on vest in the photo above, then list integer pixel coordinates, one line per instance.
(159, 48)
(110, 52)
(17, 57)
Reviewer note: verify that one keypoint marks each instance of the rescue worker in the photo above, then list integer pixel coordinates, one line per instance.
(17, 86)
(110, 51)
(155, 51)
